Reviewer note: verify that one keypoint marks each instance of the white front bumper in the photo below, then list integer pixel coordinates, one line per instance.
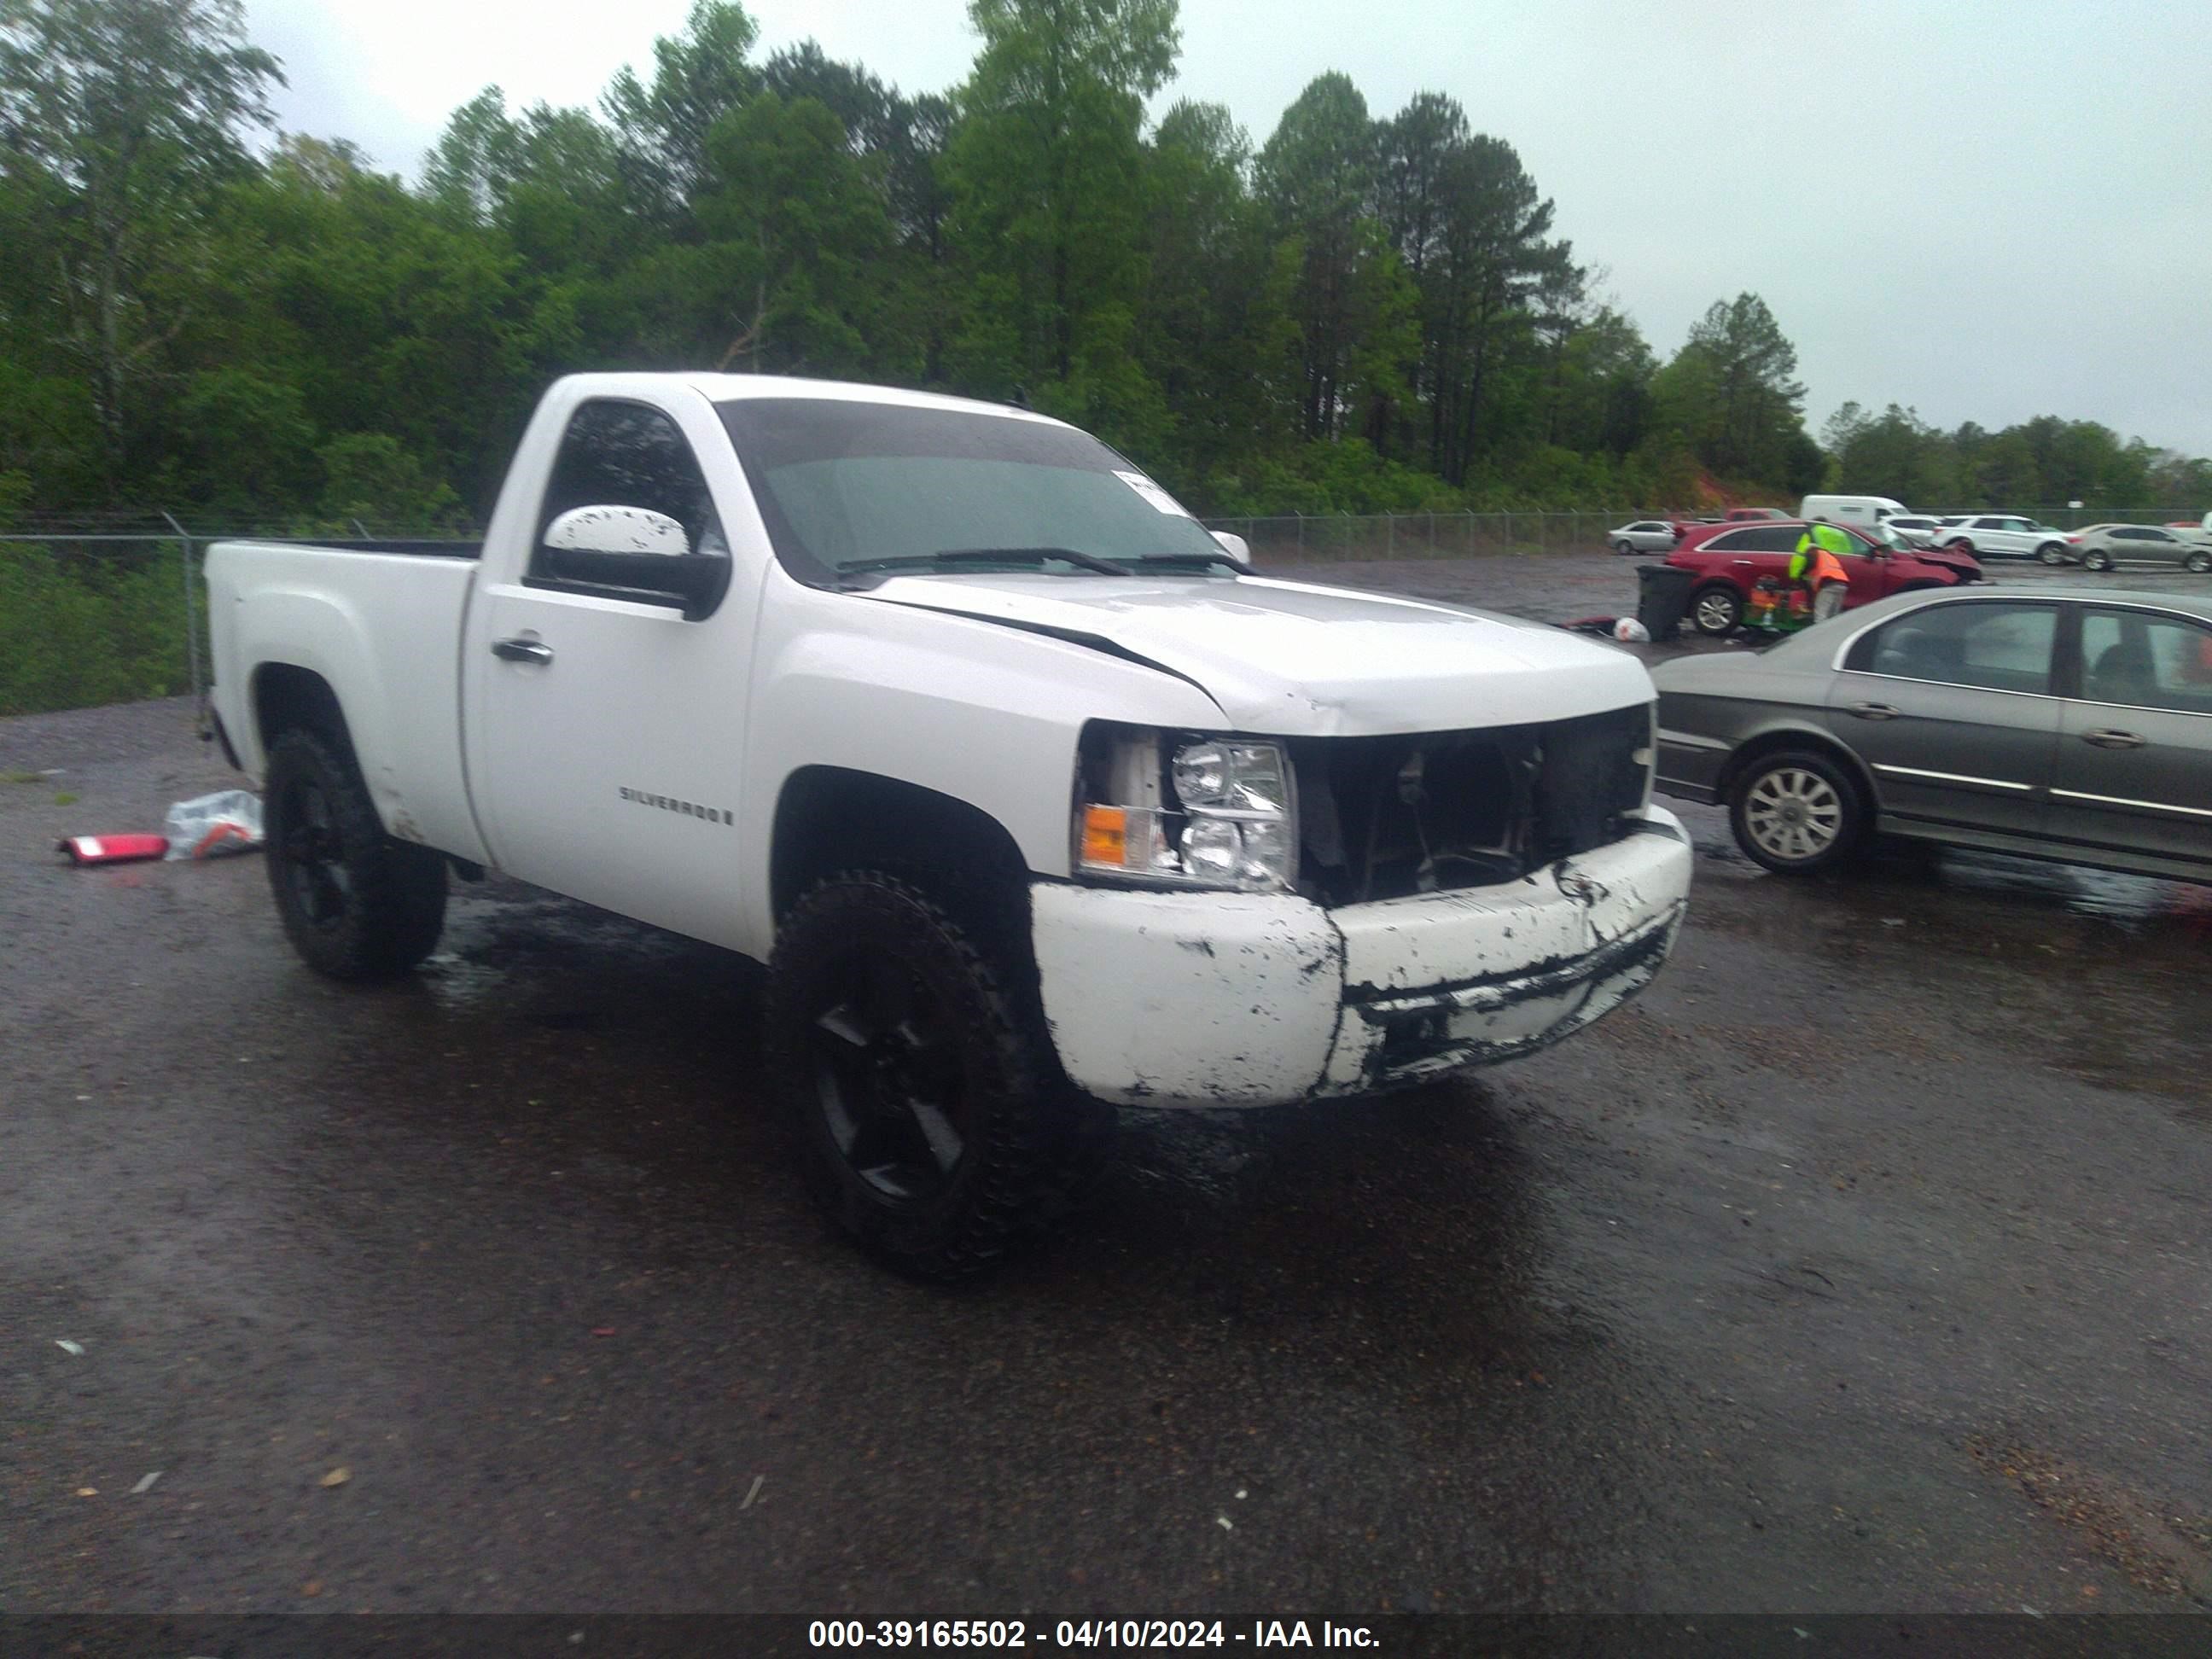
(1181, 999)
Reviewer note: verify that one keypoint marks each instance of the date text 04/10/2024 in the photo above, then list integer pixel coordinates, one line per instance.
(1085, 1633)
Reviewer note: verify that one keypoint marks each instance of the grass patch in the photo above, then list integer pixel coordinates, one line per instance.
(79, 631)
(64, 799)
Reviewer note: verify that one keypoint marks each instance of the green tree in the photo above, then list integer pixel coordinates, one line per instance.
(798, 233)
(1214, 331)
(1486, 259)
(132, 113)
(1316, 174)
(1605, 386)
(699, 76)
(1045, 166)
(1731, 393)
(370, 479)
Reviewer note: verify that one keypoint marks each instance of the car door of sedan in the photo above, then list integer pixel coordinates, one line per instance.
(2134, 769)
(1950, 706)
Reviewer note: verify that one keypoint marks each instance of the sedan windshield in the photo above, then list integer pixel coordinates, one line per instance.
(846, 487)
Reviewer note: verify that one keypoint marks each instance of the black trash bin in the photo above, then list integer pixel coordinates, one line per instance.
(1662, 596)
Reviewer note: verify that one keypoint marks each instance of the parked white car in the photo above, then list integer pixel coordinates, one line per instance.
(1035, 802)
(1643, 536)
(1913, 529)
(2005, 536)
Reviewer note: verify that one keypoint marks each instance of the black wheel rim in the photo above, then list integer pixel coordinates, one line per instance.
(888, 1076)
(312, 854)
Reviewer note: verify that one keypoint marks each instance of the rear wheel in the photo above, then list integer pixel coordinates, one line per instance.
(2096, 559)
(2200, 562)
(1962, 545)
(934, 1124)
(1795, 811)
(355, 903)
(1715, 610)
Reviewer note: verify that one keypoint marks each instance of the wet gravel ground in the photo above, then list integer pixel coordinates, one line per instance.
(1863, 1264)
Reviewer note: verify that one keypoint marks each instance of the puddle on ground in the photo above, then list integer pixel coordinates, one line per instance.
(2141, 901)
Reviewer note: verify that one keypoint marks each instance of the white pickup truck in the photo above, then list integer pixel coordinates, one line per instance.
(1036, 800)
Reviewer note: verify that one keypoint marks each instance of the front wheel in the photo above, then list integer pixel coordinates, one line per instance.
(1795, 811)
(2051, 553)
(355, 903)
(1715, 610)
(2197, 562)
(934, 1125)
(1624, 546)
(2096, 559)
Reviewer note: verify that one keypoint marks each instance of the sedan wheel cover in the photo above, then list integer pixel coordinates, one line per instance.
(1792, 813)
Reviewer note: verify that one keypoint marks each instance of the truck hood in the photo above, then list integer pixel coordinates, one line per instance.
(1295, 660)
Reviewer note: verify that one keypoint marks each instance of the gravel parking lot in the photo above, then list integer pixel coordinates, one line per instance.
(1863, 1264)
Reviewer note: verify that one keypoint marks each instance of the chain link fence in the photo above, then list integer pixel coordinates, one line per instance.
(111, 608)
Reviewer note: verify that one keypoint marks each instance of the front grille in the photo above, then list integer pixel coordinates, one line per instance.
(1381, 817)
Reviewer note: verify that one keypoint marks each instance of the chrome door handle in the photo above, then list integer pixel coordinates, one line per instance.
(522, 650)
(2111, 739)
(1875, 711)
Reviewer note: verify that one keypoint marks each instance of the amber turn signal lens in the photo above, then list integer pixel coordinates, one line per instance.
(1105, 835)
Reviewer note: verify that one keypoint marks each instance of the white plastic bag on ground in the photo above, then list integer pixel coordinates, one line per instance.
(227, 822)
(1629, 631)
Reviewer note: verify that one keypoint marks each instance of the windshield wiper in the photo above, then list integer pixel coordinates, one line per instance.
(960, 555)
(1192, 561)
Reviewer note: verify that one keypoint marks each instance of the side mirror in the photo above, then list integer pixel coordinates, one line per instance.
(1234, 546)
(617, 530)
(633, 553)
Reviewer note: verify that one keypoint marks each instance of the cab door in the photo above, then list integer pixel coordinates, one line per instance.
(605, 730)
(1950, 706)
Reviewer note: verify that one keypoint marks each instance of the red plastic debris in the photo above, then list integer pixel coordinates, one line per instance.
(113, 849)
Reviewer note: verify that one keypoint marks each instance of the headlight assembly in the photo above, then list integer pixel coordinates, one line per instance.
(1168, 809)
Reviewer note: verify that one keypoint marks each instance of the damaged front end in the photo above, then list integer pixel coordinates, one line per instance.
(1383, 817)
(1452, 899)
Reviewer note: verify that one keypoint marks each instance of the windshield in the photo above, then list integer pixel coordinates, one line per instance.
(846, 486)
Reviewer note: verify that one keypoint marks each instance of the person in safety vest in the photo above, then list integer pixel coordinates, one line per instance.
(1815, 564)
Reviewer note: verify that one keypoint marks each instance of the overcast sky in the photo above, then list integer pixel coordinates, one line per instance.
(1987, 211)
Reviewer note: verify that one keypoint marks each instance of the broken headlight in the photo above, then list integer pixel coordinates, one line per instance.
(1170, 809)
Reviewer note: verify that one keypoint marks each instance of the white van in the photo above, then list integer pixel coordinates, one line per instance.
(1862, 512)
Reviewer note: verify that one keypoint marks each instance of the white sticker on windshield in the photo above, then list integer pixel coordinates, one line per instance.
(1151, 492)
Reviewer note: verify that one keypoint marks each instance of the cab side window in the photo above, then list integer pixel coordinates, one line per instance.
(2146, 661)
(625, 454)
(1995, 646)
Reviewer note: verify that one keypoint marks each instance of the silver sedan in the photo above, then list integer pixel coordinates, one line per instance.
(1643, 536)
(2061, 724)
(2104, 546)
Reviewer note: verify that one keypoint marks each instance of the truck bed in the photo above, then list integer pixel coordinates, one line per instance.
(382, 619)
